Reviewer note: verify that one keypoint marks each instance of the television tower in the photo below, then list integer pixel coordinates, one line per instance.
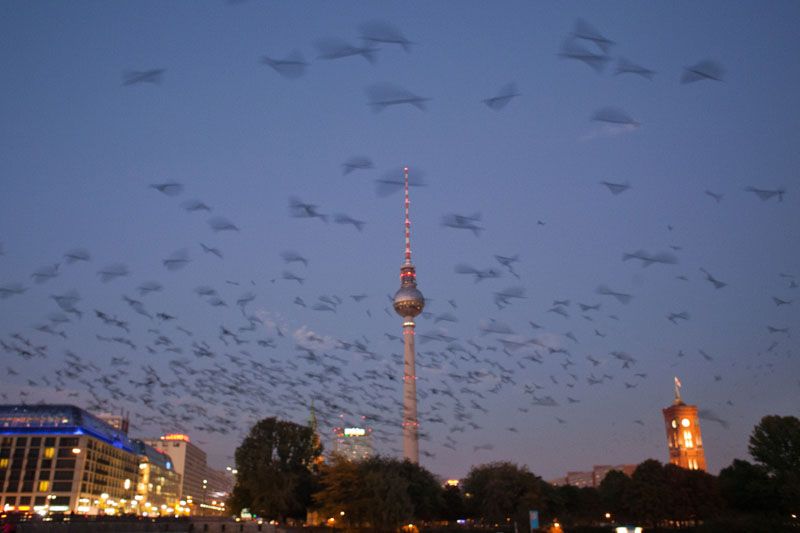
(408, 303)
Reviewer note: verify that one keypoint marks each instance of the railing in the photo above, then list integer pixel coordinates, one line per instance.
(145, 526)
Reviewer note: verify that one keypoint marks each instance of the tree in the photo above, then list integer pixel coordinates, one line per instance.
(499, 491)
(614, 490)
(276, 464)
(747, 488)
(775, 444)
(649, 493)
(453, 504)
(379, 492)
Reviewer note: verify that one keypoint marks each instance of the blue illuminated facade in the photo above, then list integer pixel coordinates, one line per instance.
(59, 420)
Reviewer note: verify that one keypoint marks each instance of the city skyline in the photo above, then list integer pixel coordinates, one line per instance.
(200, 207)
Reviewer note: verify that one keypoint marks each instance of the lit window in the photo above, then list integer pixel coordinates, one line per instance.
(49, 453)
(687, 439)
(4, 462)
(674, 423)
(43, 486)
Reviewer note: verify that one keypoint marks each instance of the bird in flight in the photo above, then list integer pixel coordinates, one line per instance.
(291, 67)
(378, 31)
(616, 188)
(469, 222)
(625, 66)
(335, 48)
(143, 76)
(507, 93)
(711, 279)
(703, 70)
(356, 163)
(765, 194)
(383, 95)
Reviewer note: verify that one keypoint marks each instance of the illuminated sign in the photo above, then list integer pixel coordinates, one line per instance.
(354, 432)
(176, 436)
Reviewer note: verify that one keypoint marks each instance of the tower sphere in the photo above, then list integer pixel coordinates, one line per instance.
(408, 301)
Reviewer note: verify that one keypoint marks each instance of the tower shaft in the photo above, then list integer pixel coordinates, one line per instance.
(410, 423)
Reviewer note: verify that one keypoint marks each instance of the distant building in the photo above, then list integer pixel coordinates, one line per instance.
(219, 485)
(59, 458)
(158, 485)
(593, 477)
(190, 462)
(354, 443)
(684, 440)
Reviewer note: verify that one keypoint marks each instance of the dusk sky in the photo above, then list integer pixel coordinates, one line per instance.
(688, 162)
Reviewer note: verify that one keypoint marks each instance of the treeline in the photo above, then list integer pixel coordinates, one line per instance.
(282, 477)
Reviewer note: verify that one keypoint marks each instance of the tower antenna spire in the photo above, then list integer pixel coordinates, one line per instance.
(408, 218)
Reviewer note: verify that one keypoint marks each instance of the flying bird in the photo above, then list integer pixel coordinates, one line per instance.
(616, 188)
(572, 49)
(616, 116)
(469, 222)
(378, 31)
(648, 259)
(507, 93)
(584, 30)
(177, 260)
(620, 296)
(221, 224)
(195, 205)
(143, 76)
(210, 250)
(383, 95)
(393, 180)
(77, 254)
(346, 219)
(766, 194)
(300, 209)
(335, 48)
(711, 279)
(170, 188)
(112, 272)
(356, 163)
(625, 66)
(703, 70)
(291, 67)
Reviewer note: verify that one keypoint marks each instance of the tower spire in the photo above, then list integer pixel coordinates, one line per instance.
(678, 399)
(408, 218)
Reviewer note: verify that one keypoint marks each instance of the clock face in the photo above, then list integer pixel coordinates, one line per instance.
(685, 422)
(674, 424)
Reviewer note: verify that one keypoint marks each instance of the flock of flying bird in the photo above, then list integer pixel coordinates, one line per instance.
(255, 365)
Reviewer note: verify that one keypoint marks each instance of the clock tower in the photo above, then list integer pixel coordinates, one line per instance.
(684, 440)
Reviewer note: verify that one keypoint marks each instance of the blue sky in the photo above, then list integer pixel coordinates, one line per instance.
(80, 149)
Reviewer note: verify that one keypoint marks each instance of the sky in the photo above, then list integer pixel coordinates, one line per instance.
(571, 167)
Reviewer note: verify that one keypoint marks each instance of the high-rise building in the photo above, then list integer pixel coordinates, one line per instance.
(354, 443)
(408, 303)
(190, 462)
(684, 440)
